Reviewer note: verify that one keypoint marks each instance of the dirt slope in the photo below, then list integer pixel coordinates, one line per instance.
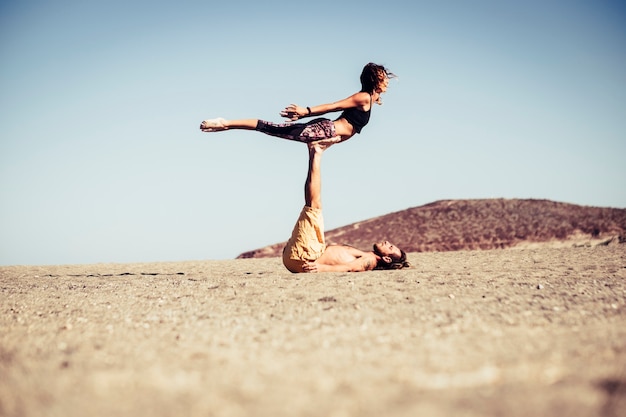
(451, 225)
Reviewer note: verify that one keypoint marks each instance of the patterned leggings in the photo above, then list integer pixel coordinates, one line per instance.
(313, 130)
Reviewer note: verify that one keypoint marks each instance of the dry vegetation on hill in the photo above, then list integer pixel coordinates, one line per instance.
(451, 225)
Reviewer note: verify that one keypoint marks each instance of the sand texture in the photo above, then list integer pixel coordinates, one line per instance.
(532, 332)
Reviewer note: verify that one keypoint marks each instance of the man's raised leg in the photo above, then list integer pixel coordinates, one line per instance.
(313, 185)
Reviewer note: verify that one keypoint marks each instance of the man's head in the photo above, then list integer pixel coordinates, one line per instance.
(391, 257)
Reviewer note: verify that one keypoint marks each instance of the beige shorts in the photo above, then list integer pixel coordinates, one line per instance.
(307, 240)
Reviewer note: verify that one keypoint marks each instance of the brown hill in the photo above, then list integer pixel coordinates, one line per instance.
(450, 225)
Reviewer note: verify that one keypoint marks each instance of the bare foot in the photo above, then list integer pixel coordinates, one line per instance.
(213, 125)
(324, 144)
(316, 147)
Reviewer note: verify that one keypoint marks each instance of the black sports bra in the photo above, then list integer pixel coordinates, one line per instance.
(356, 117)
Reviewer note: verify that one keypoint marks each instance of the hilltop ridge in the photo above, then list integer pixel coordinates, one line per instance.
(481, 224)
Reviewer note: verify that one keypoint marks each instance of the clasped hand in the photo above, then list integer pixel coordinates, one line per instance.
(309, 267)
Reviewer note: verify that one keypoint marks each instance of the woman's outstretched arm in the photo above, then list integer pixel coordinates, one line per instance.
(295, 112)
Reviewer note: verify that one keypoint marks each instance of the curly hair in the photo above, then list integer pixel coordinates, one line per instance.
(399, 263)
(372, 77)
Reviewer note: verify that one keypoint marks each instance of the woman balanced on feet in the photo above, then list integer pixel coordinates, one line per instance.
(356, 114)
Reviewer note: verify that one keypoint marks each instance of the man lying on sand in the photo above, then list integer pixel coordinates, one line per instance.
(306, 250)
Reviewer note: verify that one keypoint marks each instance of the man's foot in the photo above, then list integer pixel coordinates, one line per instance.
(213, 125)
(324, 144)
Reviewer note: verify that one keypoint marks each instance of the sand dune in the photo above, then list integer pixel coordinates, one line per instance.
(529, 332)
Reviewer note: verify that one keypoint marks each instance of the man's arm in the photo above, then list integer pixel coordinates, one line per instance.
(364, 263)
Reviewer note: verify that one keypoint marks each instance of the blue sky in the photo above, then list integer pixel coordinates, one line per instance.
(101, 159)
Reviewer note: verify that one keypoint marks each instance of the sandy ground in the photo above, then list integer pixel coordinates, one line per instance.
(535, 332)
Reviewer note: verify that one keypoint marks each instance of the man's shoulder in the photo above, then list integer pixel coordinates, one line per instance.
(368, 261)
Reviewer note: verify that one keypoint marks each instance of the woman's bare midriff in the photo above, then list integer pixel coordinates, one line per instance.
(343, 128)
